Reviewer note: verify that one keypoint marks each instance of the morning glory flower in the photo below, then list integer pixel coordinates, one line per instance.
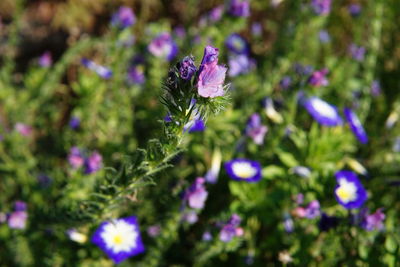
(119, 238)
(239, 8)
(163, 46)
(187, 68)
(123, 18)
(255, 129)
(321, 7)
(357, 52)
(323, 112)
(93, 163)
(212, 76)
(102, 71)
(243, 170)
(197, 194)
(237, 44)
(373, 221)
(318, 78)
(45, 60)
(356, 126)
(349, 191)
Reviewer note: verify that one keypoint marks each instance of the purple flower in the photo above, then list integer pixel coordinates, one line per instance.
(375, 88)
(163, 46)
(187, 68)
(374, 221)
(196, 195)
(256, 29)
(102, 71)
(180, 32)
(19, 205)
(255, 129)
(119, 238)
(45, 60)
(349, 191)
(240, 64)
(207, 236)
(303, 69)
(75, 158)
(355, 126)
(44, 180)
(285, 82)
(288, 223)
(321, 7)
(154, 230)
(123, 18)
(93, 163)
(190, 217)
(230, 229)
(23, 129)
(312, 210)
(74, 123)
(318, 78)
(136, 74)
(323, 112)
(197, 126)
(216, 13)
(354, 9)
(357, 52)
(324, 36)
(17, 219)
(239, 8)
(243, 170)
(237, 44)
(212, 76)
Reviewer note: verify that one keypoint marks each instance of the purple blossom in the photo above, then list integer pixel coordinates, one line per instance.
(45, 60)
(237, 44)
(375, 88)
(23, 129)
(324, 36)
(313, 210)
(123, 18)
(17, 219)
(102, 71)
(187, 68)
(240, 64)
(163, 46)
(321, 7)
(318, 78)
(197, 126)
(354, 9)
(374, 221)
(323, 112)
(19, 205)
(44, 180)
(255, 129)
(190, 217)
(212, 76)
(216, 13)
(207, 236)
(154, 230)
(288, 223)
(136, 74)
(75, 158)
(356, 126)
(196, 195)
(74, 123)
(239, 8)
(357, 52)
(256, 29)
(303, 69)
(230, 229)
(243, 170)
(285, 82)
(349, 191)
(180, 32)
(93, 163)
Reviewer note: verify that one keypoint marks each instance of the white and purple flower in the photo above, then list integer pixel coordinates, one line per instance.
(231, 229)
(163, 46)
(349, 191)
(357, 52)
(187, 68)
(355, 125)
(323, 112)
(244, 170)
(255, 129)
(318, 78)
(119, 238)
(373, 221)
(197, 194)
(102, 71)
(45, 60)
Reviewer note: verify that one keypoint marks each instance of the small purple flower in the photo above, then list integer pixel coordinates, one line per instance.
(349, 191)
(239, 8)
(119, 238)
(288, 223)
(136, 74)
(75, 158)
(123, 18)
(197, 126)
(237, 44)
(207, 236)
(196, 195)
(216, 13)
(240, 64)
(255, 129)
(190, 217)
(17, 219)
(375, 88)
(243, 170)
(323, 112)
(74, 123)
(355, 126)
(256, 29)
(321, 7)
(318, 78)
(163, 46)
(354, 9)
(324, 36)
(19, 205)
(212, 76)
(312, 210)
(187, 68)
(23, 129)
(154, 230)
(230, 229)
(44, 180)
(303, 69)
(180, 32)
(102, 71)
(93, 163)
(285, 82)
(357, 52)
(374, 221)
(45, 60)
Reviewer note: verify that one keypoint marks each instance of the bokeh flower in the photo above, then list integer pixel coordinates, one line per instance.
(357, 52)
(255, 129)
(318, 78)
(349, 191)
(45, 60)
(243, 170)
(123, 18)
(356, 126)
(197, 194)
(373, 221)
(17, 219)
(237, 44)
(323, 112)
(163, 46)
(93, 163)
(239, 8)
(76, 158)
(102, 71)
(231, 229)
(321, 7)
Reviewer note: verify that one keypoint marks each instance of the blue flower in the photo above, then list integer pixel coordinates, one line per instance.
(123, 18)
(239, 8)
(354, 9)
(356, 126)
(323, 112)
(237, 44)
(243, 170)
(187, 68)
(163, 46)
(321, 7)
(119, 239)
(349, 191)
(74, 123)
(357, 52)
(102, 71)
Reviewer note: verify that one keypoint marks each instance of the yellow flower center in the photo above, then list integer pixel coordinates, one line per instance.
(117, 239)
